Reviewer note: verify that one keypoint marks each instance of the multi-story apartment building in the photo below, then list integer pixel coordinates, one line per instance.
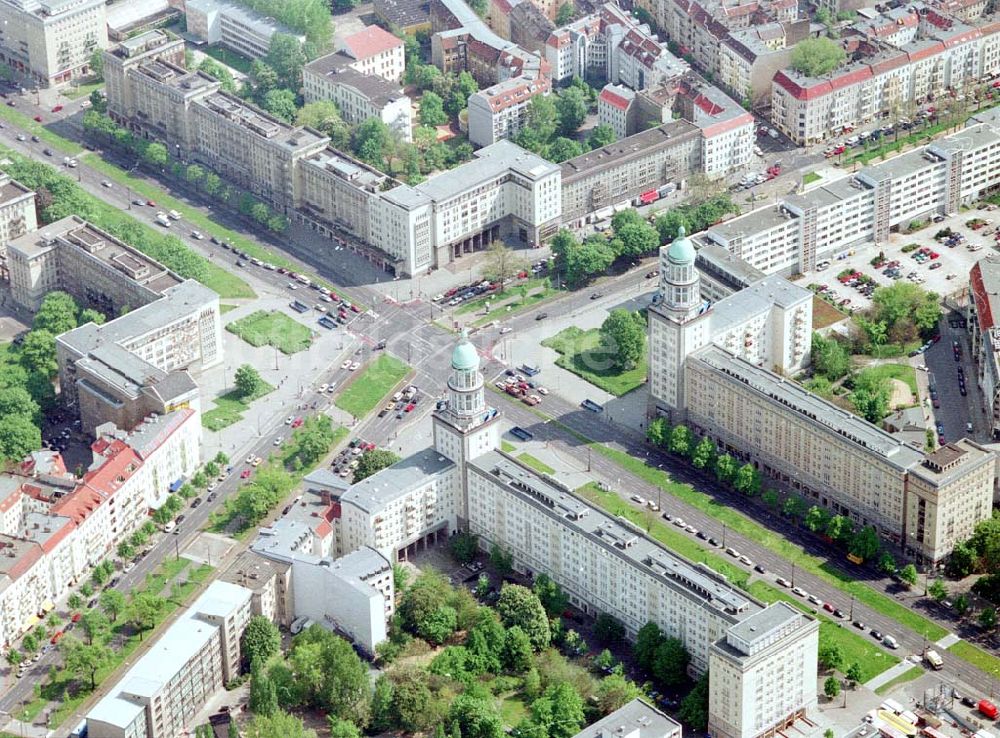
(802, 230)
(983, 311)
(54, 527)
(520, 21)
(234, 25)
(358, 95)
(502, 190)
(17, 216)
(374, 51)
(621, 172)
(51, 41)
(500, 111)
(727, 130)
(617, 109)
(721, 368)
(161, 694)
(749, 58)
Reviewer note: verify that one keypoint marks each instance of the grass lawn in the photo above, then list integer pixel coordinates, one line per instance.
(518, 305)
(976, 656)
(854, 646)
(507, 447)
(272, 329)
(907, 676)
(226, 307)
(581, 354)
(810, 177)
(372, 385)
(513, 710)
(29, 124)
(512, 291)
(537, 464)
(229, 408)
(902, 372)
(76, 91)
(825, 314)
(230, 58)
(670, 537)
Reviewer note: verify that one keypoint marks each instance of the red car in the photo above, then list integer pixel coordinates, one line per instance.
(355, 308)
(151, 203)
(55, 639)
(76, 617)
(38, 119)
(828, 607)
(297, 422)
(245, 474)
(57, 108)
(409, 408)
(334, 296)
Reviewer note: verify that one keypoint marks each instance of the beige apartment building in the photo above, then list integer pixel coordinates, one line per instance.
(161, 694)
(51, 41)
(375, 52)
(17, 216)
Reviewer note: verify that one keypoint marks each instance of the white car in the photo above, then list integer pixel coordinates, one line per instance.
(106, 183)
(679, 522)
(542, 391)
(354, 365)
(128, 567)
(745, 560)
(197, 235)
(690, 529)
(322, 387)
(638, 498)
(257, 461)
(799, 591)
(733, 552)
(783, 582)
(212, 486)
(250, 458)
(289, 419)
(346, 364)
(815, 600)
(278, 440)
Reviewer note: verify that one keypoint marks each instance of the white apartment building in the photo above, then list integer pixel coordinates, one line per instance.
(17, 216)
(375, 52)
(234, 25)
(161, 694)
(616, 108)
(727, 130)
(635, 719)
(500, 111)
(358, 95)
(54, 528)
(503, 189)
(51, 41)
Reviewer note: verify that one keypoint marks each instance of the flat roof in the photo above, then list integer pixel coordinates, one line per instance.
(257, 122)
(717, 261)
(754, 222)
(756, 299)
(635, 719)
(951, 461)
(616, 535)
(337, 68)
(761, 624)
(347, 168)
(378, 490)
(168, 655)
(824, 415)
(642, 144)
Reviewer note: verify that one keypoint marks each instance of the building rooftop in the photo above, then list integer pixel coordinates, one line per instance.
(168, 655)
(356, 172)
(723, 265)
(984, 284)
(11, 190)
(259, 123)
(756, 221)
(336, 67)
(618, 536)
(404, 13)
(251, 570)
(637, 146)
(635, 719)
(369, 42)
(375, 492)
(825, 415)
(617, 96)
(511, 92)
(951, 461)
(357, 567)
(244, 14)
(757, 299)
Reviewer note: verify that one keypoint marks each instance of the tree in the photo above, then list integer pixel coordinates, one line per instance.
(866, 543)
(816, 519)
(517, 650)
(725, 468)
(95, 625)
(829, 656)
(572, 107)
(647, 641)
(962, 561)
(57, 314)
(831, 687)
(608, 629)
(658, 432)
(988, 618)
(432, 110)
(330, 674)
(501, 560)
(372, 462)
(438, 625)
(263, 697)
(962, 604)
(937, 590)
(370, 141)
(502, 264)
(550, 594)
(286, 58)
(564, 15)
(603, 134)
(38, 353)
(815, 57)
(636, 238)
(615, 691)
(85, 660)
(829, 357)
(89, 315)
(96, 63)
(562, 149)
(623, 338)
(871, 395)
(694, 708)
(558, 713)
(840, 528)
(671, 662)
(541, 123)
(261, 640)
(793, 507)
(886, 563)
(473, 716)
(155, 155)
(747, 480)
(19, 436)
(854, 673)
(248, 381)
(520, 606)
(278, 724)
(908, 574)
(18, 401)
(704, 454)
(144, 611)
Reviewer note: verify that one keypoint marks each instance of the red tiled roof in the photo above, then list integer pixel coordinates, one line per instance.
(10, 500)
(25, 561)
(851, 78)
(57, 536)
(323, 529)
(79, 503)
(371, 41)
(724, 126)
(926, 52)
(613, 99)
(887, 65)
(982, 298)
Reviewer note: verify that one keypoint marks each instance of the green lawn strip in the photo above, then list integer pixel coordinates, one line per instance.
(649, 521)
(477, 303)
(84, 90)
(226, 307)
(273, 328)
(810, 177)
(230, 58)
(537, 464)
(976, 656)
(229, 408)
(369, 388)
(33, 127)
(517, 306)
(907, 676)
(912, 139)
(507, 447)
(580, 353)
(902, 372)
(853, 646)
(194, 216)
(774, 541)
(513, 710)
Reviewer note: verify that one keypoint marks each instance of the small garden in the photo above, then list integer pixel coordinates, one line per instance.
(229, 407)
(272, 328)
(612, 357)
(370, 387)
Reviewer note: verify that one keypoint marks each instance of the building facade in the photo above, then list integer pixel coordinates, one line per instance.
(234, 25)
(17, 216)
(375, 52)
(983, 310)
(51, 41)
(501, 111)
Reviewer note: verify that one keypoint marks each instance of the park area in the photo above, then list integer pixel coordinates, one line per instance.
(581, 353)
(264, 328)
(229, 408)
(370, 387)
